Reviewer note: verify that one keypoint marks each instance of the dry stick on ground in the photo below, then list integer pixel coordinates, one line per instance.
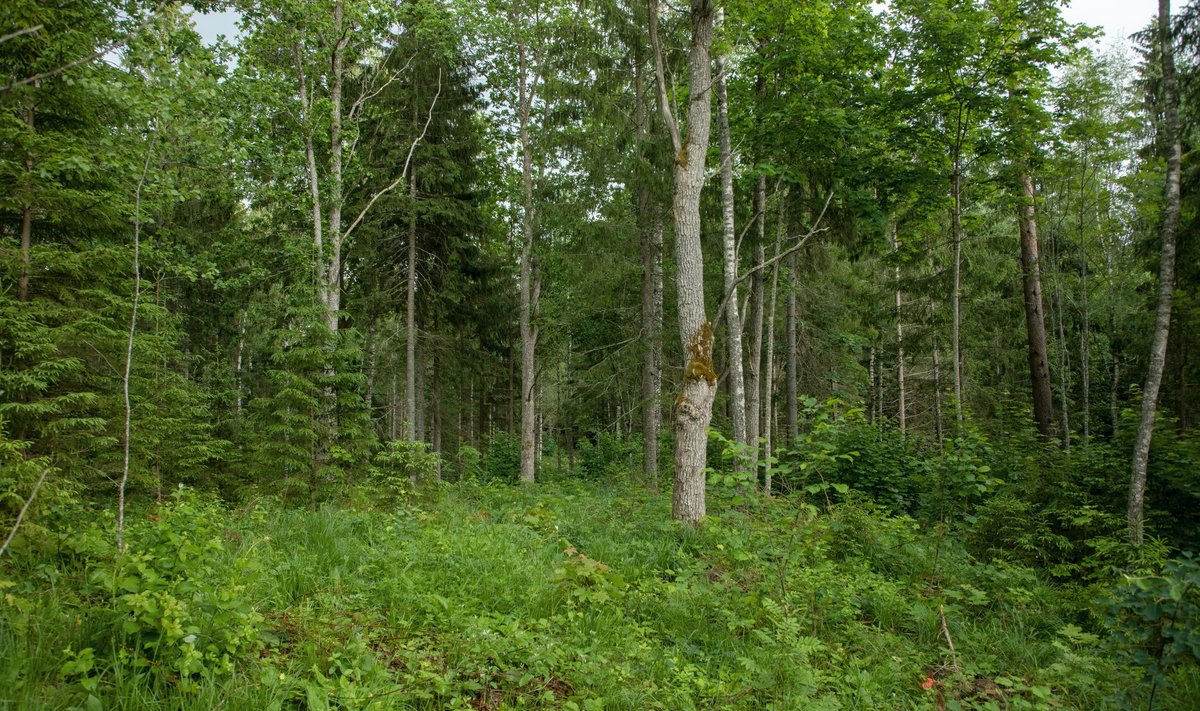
(12, 534)
(949, 641)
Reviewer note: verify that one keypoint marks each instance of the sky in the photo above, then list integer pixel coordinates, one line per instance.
(1118, 18)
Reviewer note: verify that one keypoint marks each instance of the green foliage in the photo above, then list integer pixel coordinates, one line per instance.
(401, 466)
(179, 595)
(610, 458)
(1153, 621)
(501, 458)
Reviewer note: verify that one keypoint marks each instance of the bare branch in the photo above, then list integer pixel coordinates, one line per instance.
(664, 104)
(403, 173)
(20, 515)
(18, 33)
(814, 230)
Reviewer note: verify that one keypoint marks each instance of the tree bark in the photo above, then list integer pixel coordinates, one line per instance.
(650, 224)
(1035, 323)
(26, 224)
(693, 407)
(652, 326)
(1166, 279)
(754, 417)
(769, 381)
(333, 274)
(956, 317)
(902, 407)
(733, 318)
(410, 317)
(529, 285)
(793, 374)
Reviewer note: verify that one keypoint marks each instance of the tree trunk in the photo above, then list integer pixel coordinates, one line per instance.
(333, 284)
(754, 362)
(410, 317)
(769, 381)
(529, 280)
(956, 318)
(693, 407)
(650, 223)
(939, 428)
(902, 407)
(1035, 323)
(26, 225)
(1085, 349)
(1064, 354)
(733, 318)
(652, 325)
(1166, 279)
(793, 374)
(419, 432)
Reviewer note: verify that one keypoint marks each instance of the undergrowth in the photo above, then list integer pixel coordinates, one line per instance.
(572, 596)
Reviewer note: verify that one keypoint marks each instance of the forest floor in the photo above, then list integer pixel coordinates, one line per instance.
(572, 596)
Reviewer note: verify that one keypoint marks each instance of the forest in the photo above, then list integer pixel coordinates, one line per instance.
(598, 354)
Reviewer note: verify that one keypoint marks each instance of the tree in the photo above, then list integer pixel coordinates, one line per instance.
(1166, 275)
(693, 407)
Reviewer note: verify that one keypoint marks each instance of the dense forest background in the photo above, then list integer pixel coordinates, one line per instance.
(342, 281)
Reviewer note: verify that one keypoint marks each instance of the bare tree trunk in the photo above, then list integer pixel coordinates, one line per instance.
(419, 433)
(733, 318)
(1085, 350)
(693, 407)
(529, 280)
(1035, 323)
(652, 326)
(237, 364)
(333, 274)
(769, 381)
(956, 319)
(1064, 365)
(410, 342)
(26, 225)
(754, 384)
(127, 440)
(1166, 278)
(902, 408)
(650, 223)
(435, 411)
(937, 395)
(793, 374)
(393, 407)
(872, 393)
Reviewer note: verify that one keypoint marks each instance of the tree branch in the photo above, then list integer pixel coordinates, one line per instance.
(664, 104)
(20, 515)
(342, 238)
(791, 250)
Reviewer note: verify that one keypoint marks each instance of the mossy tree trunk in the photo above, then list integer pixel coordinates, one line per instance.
(693, 407)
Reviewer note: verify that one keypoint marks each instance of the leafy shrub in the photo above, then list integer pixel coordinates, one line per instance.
(179, 598)
(610, 457)
(400, 466)
(501, 458)
(1153, 621)
(469, 462)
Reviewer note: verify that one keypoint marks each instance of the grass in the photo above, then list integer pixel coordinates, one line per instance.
(559, 596)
